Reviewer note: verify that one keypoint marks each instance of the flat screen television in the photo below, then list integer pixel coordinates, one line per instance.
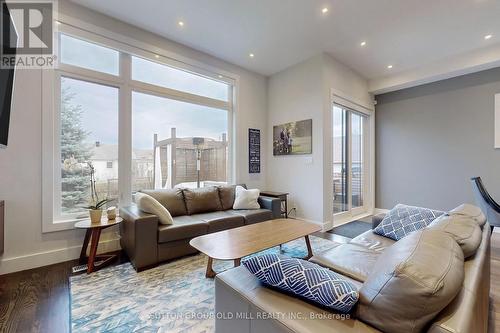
(9, 36)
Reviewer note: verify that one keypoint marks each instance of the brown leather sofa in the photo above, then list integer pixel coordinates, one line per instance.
(244, 305)
(195, 212)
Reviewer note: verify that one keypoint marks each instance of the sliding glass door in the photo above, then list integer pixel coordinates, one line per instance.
(349, 167)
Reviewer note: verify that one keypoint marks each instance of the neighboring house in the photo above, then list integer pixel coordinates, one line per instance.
(105, 161)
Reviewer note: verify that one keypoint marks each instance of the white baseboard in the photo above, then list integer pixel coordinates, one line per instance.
(21, 263)
(352, 218)
(380, 211)
(325, 225)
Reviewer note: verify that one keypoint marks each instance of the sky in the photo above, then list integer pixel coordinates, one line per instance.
(80, 53)
(152, 114)
(100, 109)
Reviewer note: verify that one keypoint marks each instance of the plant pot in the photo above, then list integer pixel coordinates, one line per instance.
(95, 215)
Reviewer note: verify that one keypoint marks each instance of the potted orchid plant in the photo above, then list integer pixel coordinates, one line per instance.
(95, 206)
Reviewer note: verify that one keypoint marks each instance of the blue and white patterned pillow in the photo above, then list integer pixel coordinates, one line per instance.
(304, 279)
(403, 220)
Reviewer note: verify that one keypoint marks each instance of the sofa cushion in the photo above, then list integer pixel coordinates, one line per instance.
(182, 228)
(226, 195)
(172, 200)
(201, 200)
(403, 220)
(150, 205)
(304, 279)
(471, 211)
(222, 220)
(463, 229)
(348, 259)
(252, 216)
(412, 281)
(372, 241)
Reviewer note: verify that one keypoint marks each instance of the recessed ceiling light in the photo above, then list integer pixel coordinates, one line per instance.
(58, 23)
(157, 56)
(389, 66)
(488, 37)
(324, 10)
(181, 23)
(363, 43)
(251, 55)
(220, 76)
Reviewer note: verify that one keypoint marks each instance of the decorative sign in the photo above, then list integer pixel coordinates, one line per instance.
(253, 150)
(497, 121)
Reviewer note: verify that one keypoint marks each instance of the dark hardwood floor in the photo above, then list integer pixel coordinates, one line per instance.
(37, 300)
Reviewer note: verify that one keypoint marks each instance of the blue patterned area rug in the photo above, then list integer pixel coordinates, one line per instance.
(174, 297)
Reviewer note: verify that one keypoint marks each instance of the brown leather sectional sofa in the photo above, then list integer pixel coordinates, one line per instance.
(244, 305)
(195, 212)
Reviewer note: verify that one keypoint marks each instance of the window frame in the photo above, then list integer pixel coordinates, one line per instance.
(51, 87)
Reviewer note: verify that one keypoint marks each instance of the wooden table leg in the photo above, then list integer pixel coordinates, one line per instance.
(210, 272)
(286, 207)
(96, 233)
(309, 249)
(237, 262)
(83, 253)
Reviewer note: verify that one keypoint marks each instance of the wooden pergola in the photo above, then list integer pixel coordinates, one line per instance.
(187, 160)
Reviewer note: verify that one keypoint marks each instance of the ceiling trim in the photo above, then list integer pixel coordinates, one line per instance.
(463, 64)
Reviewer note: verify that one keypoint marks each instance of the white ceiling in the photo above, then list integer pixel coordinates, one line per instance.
(407, 34)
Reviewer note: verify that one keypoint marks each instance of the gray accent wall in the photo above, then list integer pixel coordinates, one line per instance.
(431, 139)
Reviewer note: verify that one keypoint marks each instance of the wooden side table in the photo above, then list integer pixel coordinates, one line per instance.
(283, 196)
(92, 234)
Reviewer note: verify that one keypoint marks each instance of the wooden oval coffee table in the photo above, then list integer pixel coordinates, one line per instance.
(234, 244)
(93, 234)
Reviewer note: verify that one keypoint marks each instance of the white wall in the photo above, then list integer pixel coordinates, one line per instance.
(302, 92)
(297, 94)
(20, 164)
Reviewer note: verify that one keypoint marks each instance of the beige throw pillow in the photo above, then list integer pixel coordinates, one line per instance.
(246, 199)
(150, 205)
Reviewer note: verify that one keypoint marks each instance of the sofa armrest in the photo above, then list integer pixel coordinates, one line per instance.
(139, 237)
(273, 204)
(376, 219)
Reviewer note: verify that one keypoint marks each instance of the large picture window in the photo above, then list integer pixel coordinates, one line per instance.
(140, 121)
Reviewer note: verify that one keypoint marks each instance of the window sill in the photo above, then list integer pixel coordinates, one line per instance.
(54, 226)
(62, 225)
